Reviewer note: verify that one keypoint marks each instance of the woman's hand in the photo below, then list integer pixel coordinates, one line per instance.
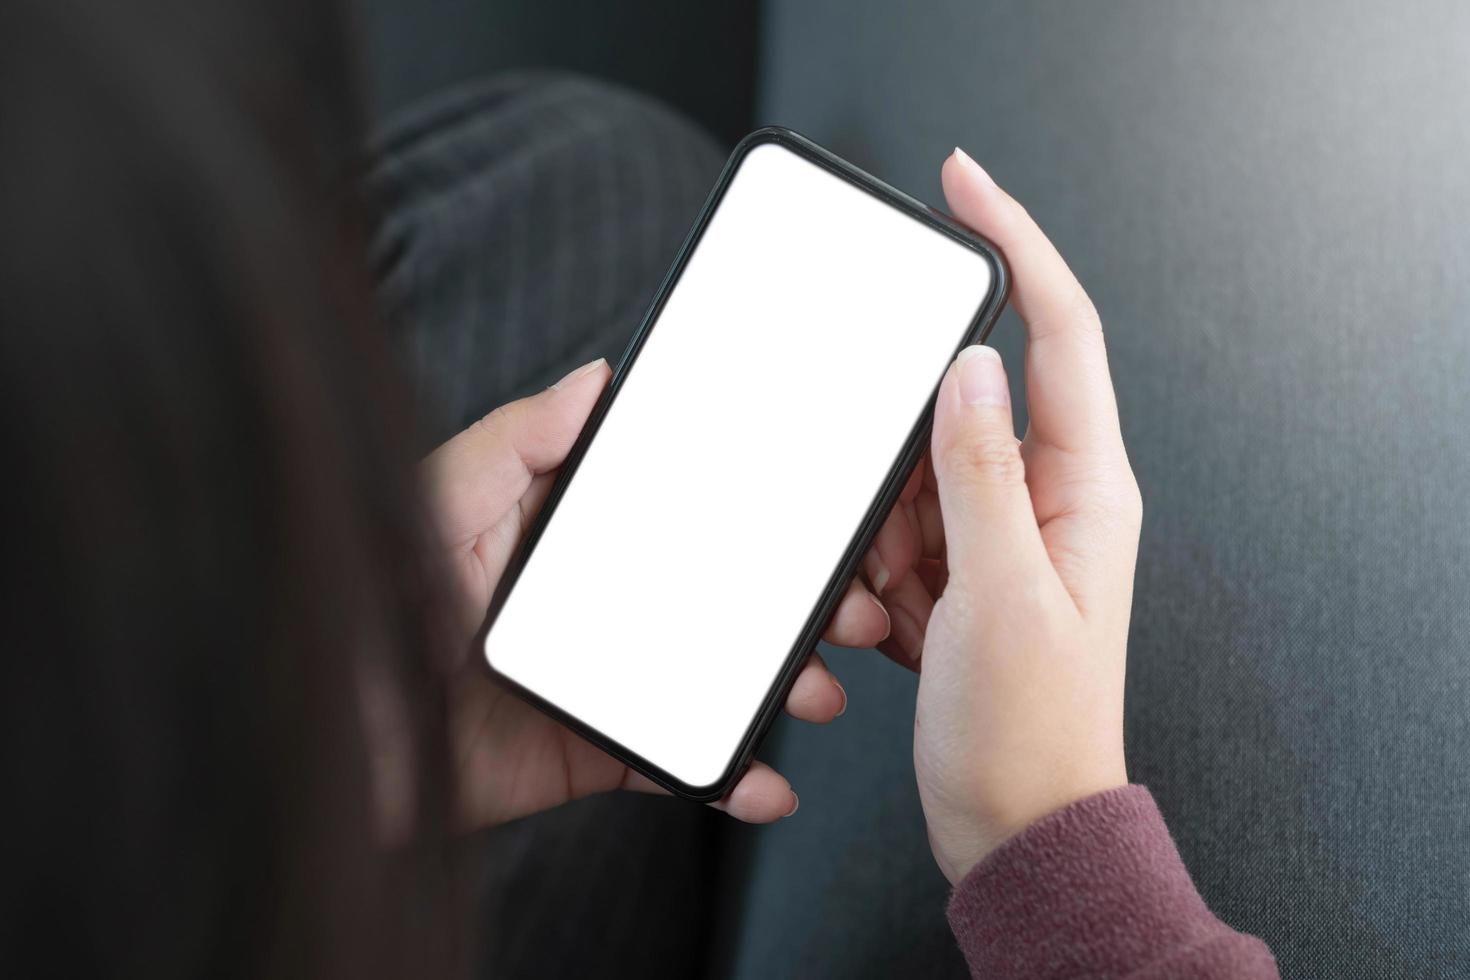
(485, 487)
(1020, 597)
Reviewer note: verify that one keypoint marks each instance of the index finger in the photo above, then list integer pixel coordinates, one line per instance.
(477, 476)
(1069, 392)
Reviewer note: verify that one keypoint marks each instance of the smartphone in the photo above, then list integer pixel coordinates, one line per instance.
(751, 442)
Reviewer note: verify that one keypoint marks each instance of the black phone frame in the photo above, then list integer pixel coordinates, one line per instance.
(918, 438)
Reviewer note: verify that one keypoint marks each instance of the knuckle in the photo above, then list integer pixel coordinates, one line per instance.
(1084, 312)
(1119, 504)
(991, 459)
(1132, 505)
(496, 423)
(1074, 317)
(1126, 497)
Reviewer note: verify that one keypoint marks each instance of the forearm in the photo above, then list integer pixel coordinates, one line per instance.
(1097, 889)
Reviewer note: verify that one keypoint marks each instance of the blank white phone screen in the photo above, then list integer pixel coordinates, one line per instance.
(771, 398)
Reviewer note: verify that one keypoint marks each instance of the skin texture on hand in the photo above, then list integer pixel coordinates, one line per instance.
(1017, 599)
(1004, 575)
(484, 488)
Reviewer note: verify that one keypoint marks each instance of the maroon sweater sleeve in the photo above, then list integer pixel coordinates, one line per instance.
(1096, 890)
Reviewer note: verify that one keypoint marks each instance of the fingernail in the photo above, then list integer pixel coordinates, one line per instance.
(887, 630)
(908, 634)
(969, 161)
(795, 803)
(584, 369)
(842, 710)
(877, 573)
(982, 377)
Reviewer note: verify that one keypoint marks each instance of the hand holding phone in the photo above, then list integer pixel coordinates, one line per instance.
(760, 427)
(1020, 601)
(1082, 499)
(509, 759)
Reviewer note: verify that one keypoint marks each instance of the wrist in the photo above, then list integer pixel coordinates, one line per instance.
(961, 840)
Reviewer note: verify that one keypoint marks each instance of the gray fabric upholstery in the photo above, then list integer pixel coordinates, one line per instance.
(527, 220)
(1270, 205)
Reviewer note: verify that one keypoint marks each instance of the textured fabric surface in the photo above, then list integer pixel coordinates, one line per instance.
(418, 49)
(1268, 203)
(526, 224)
(1096, 890)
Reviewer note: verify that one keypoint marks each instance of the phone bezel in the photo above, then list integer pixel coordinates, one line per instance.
(913, 447)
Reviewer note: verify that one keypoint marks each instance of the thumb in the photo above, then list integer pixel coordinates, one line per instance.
(990, 529)
(476, 477)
